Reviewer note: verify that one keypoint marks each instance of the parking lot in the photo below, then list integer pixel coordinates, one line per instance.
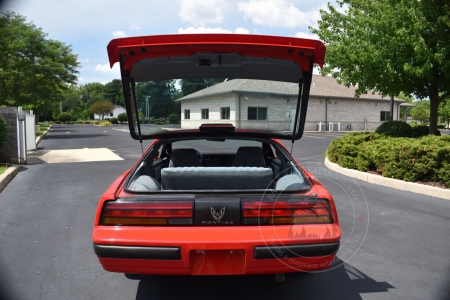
(394, 244)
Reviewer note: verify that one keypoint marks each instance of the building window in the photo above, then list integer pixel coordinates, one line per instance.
(187, 114)
(385, 116)
(257, 113)
(205, 113)
(111, 114)
(225, 113)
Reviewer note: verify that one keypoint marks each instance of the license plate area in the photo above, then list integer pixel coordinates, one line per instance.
(217, 262)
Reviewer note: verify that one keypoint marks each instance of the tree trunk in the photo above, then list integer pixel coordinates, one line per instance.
(434, 105)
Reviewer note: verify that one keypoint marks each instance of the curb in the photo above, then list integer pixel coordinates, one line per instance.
(8, 175)
(39, 138)
(390, 182)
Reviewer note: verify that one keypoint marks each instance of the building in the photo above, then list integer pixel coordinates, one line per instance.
(269, 105)
(115, 112)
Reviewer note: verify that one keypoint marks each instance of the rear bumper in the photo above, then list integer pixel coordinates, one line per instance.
(216, 250)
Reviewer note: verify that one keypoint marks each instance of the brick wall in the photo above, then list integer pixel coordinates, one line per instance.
(9, 151)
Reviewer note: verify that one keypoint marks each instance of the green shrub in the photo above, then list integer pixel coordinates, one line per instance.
(409, 159)
(96, 122)
(107, 119)
(441, 126)
(104, 123)
(122, 117)
(419, 130)
(114, 121)
(3, 131)
(57, 122)
(174, 118)
(87, 122)
(145, 121)
(395, 129)
(64, 117)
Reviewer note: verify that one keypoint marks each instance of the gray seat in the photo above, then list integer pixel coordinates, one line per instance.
(145, 183)
(216, 178)
(249, 157)
(184, 158)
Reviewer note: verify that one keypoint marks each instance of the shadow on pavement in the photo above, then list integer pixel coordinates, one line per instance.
(343, 282)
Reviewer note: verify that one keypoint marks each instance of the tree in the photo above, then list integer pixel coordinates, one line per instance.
(189, 86)
(113, 91)
(64, 117)
(160, 97)
(32, 68)
(122, 118)
(421, 111)
(101, 108)
(390, 46)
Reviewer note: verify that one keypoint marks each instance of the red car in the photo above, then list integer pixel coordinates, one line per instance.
(217, 193)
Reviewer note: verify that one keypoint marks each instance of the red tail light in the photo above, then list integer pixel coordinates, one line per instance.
(148, 213)
(287, 212)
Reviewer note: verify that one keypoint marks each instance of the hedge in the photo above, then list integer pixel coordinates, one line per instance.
(3, 131)
(409, 159)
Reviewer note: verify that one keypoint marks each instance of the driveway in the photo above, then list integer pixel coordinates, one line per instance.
(394, 246)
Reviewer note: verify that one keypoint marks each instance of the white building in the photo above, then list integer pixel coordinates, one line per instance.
(269, 105)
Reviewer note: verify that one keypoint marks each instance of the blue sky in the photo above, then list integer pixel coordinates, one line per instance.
(88, 26)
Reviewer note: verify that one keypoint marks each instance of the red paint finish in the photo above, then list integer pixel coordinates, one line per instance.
(147, 47)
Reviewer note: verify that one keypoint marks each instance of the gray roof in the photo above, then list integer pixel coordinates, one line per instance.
(322, 86)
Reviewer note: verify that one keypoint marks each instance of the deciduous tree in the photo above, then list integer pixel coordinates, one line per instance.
(390, 46)
(101, 108)
(33, 69)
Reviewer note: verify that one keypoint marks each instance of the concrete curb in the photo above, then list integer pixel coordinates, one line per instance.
(39, 138)
(8, 175)
(389, 182)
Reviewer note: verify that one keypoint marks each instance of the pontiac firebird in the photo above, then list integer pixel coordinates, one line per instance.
(218, 194)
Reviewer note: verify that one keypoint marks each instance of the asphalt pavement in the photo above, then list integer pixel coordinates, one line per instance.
(394, 245)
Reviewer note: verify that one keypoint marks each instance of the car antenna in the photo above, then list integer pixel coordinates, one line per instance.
(297, 111)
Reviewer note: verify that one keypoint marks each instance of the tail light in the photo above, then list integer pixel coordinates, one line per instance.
(148, 213)
(286, 212)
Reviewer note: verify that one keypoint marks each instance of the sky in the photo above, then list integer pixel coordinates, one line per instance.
(88, 26)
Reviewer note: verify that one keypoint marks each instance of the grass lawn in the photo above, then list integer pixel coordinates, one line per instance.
(3, 169)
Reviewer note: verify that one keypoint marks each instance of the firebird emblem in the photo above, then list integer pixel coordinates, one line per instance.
(217, 213)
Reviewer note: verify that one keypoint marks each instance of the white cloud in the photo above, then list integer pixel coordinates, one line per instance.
(278, 13)
(201, 12)
(305, 35)
(203, 30)
(136, 27)
(119, 33)
(107, 69)
(239, 30)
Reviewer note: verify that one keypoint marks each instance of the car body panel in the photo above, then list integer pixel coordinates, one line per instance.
(294, 239)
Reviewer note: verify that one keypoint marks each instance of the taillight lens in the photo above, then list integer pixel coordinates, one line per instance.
(287, 212)
(148, 213)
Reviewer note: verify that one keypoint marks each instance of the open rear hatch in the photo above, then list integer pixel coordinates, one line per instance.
(258, 84)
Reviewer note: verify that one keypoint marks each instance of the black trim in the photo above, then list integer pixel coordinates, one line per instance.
(284, 251)
(131, 252)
